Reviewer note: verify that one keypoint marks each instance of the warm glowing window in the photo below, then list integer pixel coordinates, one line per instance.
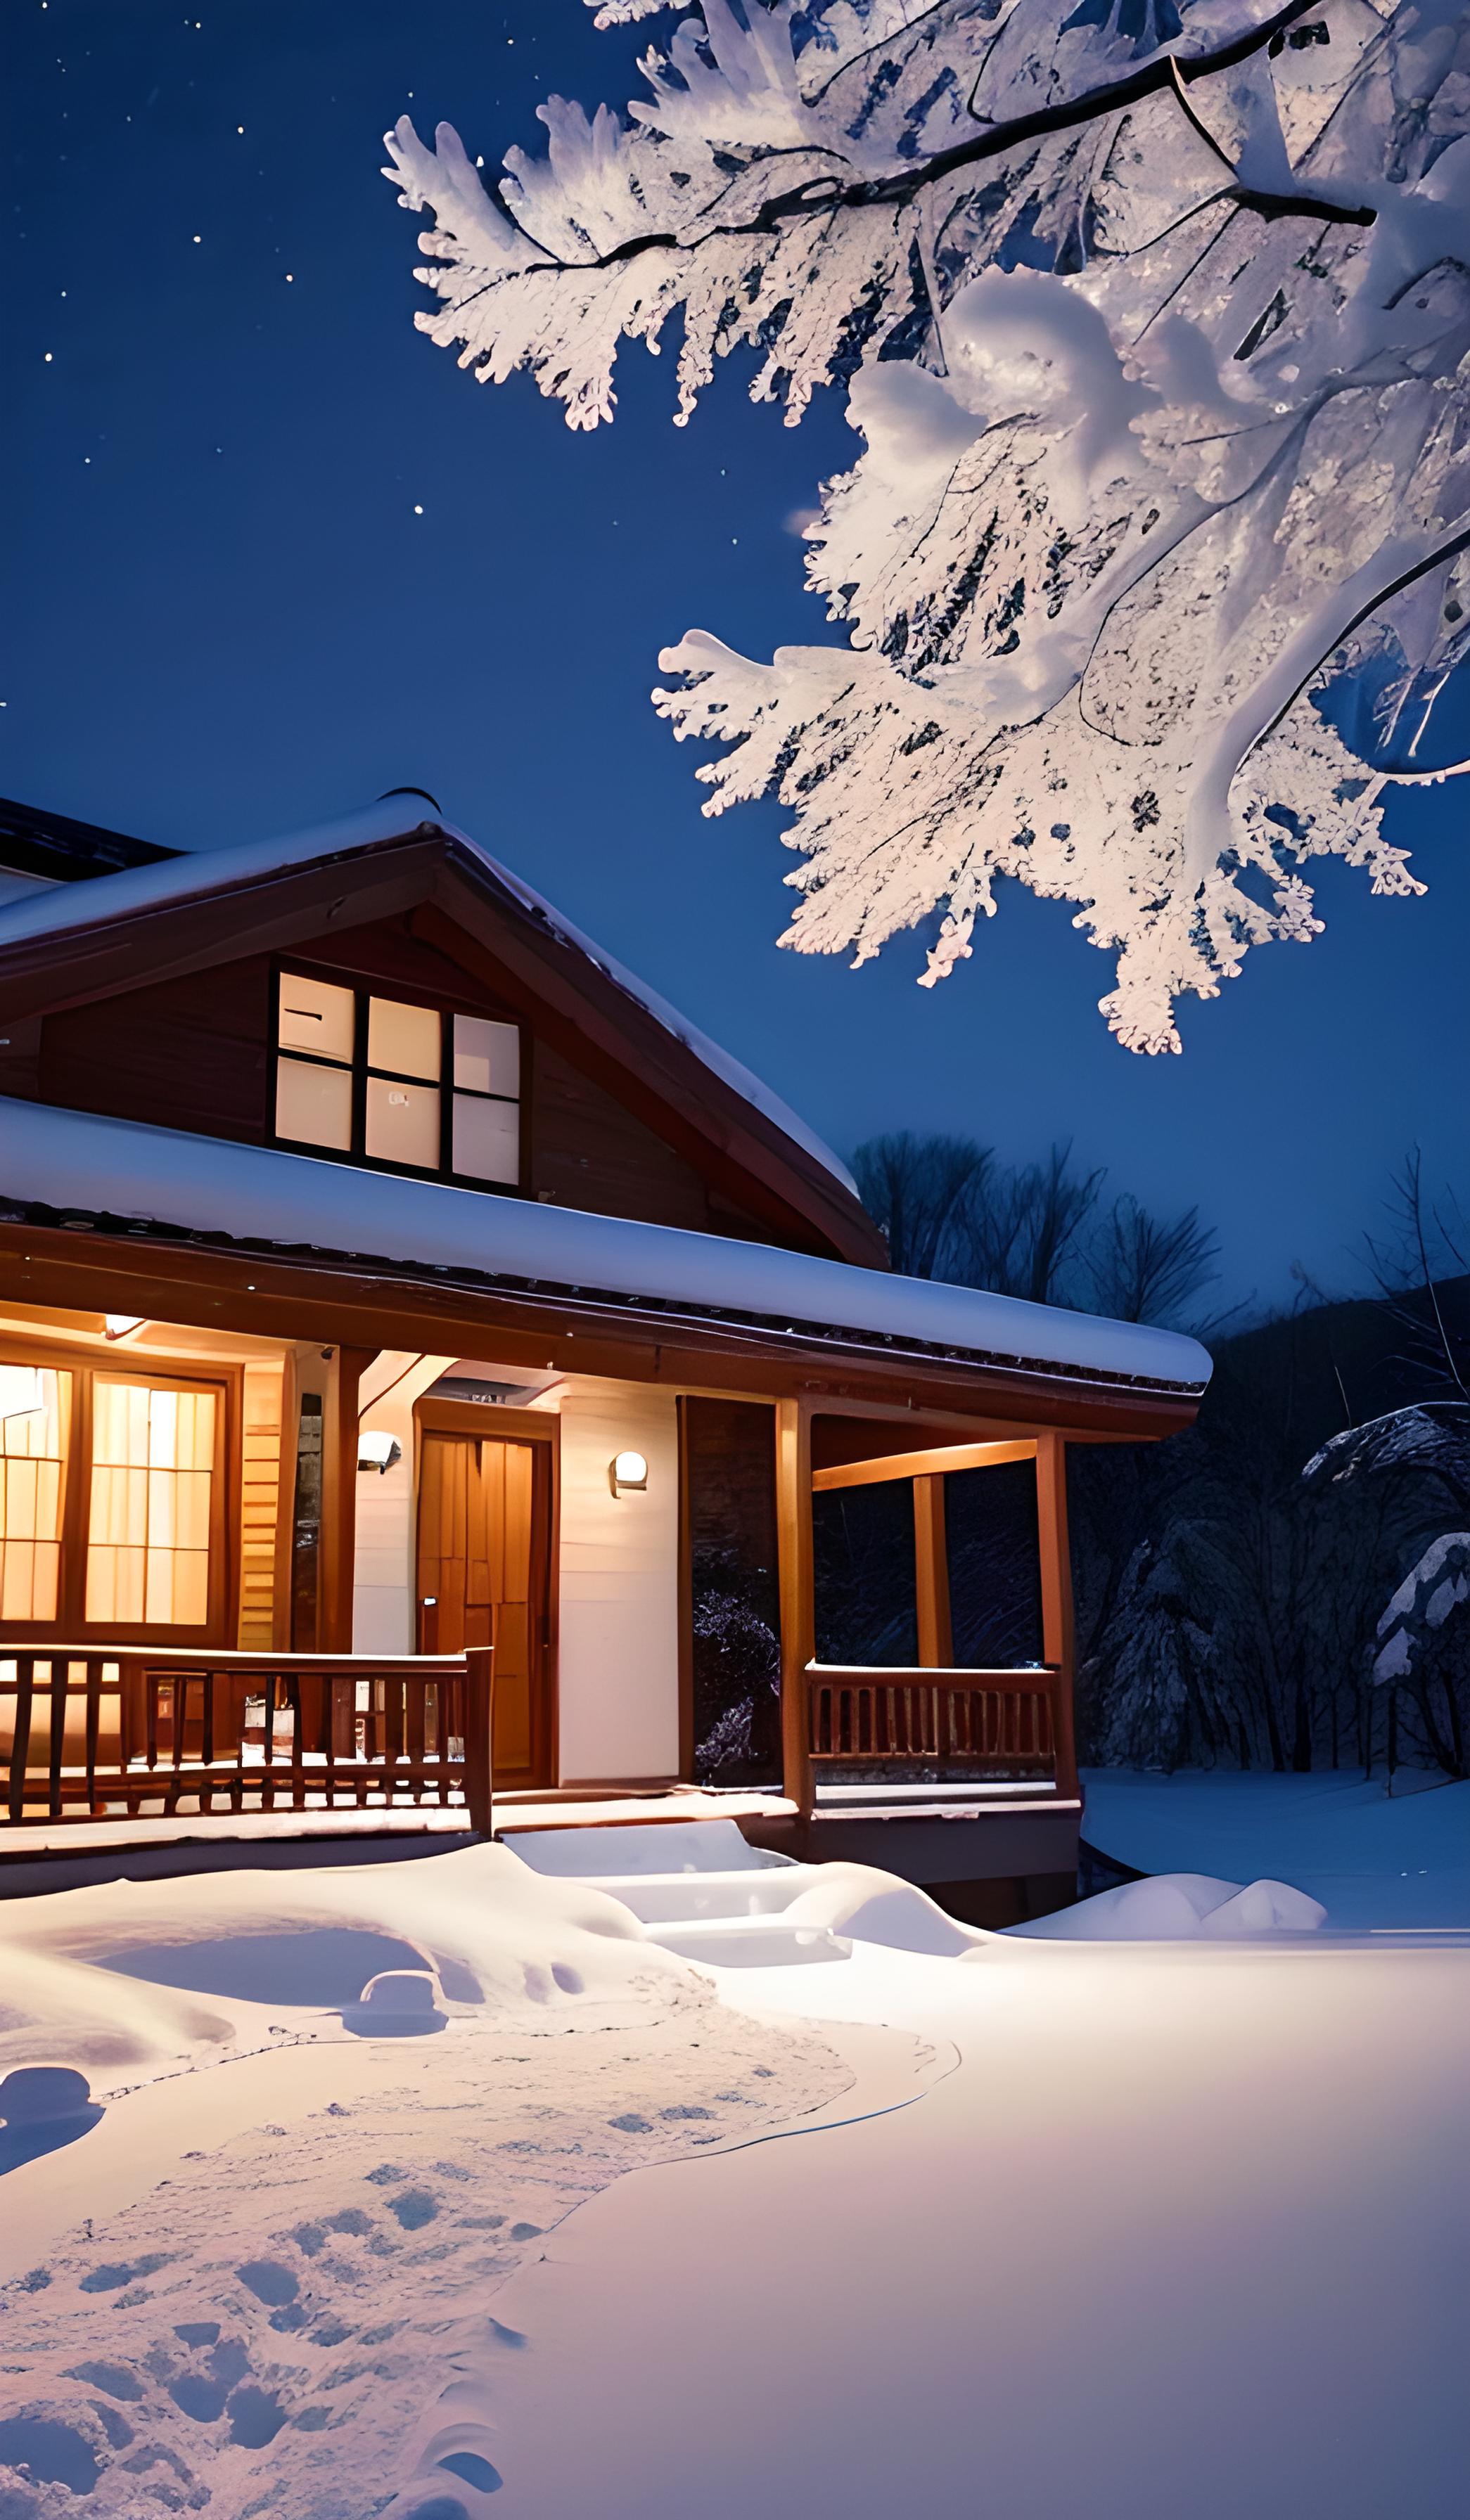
(35, 1423)
(397, 1083)
(149, 1518)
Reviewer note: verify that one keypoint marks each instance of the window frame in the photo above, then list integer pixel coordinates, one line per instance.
(447, 1007)
(84, 1365)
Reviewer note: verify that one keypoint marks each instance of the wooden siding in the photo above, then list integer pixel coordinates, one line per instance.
(260, 1507)
(427, 889)
(187, 1054)
(193, 1052)
(587, 1150)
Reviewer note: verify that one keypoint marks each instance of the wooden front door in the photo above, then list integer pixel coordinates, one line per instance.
(483, 1570)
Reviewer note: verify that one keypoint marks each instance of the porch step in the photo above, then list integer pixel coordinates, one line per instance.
(751, 1942)
(721, 1901)
(676, 1847)
(933, 1795)
(673, 1897)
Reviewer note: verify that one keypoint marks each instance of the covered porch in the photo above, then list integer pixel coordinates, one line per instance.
(303, 1546)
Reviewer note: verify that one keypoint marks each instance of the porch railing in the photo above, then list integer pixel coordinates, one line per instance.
(93, 1732)
(959, 1726)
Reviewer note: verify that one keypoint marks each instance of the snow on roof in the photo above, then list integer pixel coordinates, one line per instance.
(200, 872)
(73, 1161)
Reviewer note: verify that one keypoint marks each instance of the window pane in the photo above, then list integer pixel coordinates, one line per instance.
(153, 1469)
(313, 1105)
(486, 1056)
(317, 1017)
(32, 1456)
(403, 1123)
(406, 1039)
(486, 1139)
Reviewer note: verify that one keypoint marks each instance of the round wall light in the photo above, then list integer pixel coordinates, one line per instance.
(626, 1470)
(377, 1449)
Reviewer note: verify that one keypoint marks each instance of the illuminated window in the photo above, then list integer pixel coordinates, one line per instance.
(148, 1525)
(396, 1083)
(487, 1118)
(34, 1433)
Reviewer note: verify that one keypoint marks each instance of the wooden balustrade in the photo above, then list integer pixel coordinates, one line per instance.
(88, 1732)
(964, 1725)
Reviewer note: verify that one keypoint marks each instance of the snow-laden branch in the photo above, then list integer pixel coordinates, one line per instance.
(1155, 322)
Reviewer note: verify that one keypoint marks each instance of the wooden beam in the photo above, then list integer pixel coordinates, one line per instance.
(924, 1465)
(798, 1607)
(932, 1575)
(686, 1595)
(1058, 1642)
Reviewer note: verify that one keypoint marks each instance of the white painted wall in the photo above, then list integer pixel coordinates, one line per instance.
(619, 1635)
(383, 1566)
(618, 1660)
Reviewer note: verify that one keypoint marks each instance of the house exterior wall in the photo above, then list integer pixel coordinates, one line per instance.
(618, 1660)
(382, 1572)
(193, 1052)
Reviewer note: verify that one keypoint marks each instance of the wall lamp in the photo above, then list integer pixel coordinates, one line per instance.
(377, 1449)
(626, 1470)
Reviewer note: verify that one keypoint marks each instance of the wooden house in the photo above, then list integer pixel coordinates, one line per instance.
(386, 1274)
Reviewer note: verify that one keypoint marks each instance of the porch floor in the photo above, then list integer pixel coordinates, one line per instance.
(33, 1838)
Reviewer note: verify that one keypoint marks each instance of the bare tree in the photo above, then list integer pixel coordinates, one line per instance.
(1025, 1236)
(1426, 1242)
(919, 1191)
(1147, 1267)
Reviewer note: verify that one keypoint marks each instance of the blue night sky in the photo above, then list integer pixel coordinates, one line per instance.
(227, 617)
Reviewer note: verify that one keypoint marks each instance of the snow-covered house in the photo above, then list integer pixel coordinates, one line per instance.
(384, 1270)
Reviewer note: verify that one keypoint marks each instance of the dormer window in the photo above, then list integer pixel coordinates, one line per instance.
(391, 1081)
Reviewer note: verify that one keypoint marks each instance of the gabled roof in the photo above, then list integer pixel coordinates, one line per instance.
(55, 850)
(78, 943)
(58, 1166)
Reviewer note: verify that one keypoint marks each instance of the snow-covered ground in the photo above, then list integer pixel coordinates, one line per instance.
(1185, 2236)
(1037, 2229)
(1371, 1858)
(251, 2229)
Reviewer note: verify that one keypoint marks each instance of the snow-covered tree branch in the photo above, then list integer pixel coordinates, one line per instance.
(1154, 317)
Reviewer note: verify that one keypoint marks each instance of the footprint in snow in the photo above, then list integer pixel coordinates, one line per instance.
(48, 2452)
(472, 2469)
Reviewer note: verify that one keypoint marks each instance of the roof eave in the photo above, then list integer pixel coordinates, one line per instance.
(1013, 1387)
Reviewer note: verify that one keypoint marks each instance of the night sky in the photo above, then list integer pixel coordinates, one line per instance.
(270, 553)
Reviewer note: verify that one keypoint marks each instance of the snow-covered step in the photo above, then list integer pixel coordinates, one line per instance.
(697, 1889)
(700, 1890)
(687, 1846)
(750, 1942)
(665, 1898)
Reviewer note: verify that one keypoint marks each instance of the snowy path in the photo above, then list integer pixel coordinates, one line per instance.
(1184, 2238)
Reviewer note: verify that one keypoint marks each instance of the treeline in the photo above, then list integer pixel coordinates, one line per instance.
(1288, 1585)
(1045, 1232)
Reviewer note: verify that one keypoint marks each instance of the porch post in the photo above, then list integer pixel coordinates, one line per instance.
(480, 1673)
(798, 1625)
(931, 1574)
(1058, 1645)
(339, 1501)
